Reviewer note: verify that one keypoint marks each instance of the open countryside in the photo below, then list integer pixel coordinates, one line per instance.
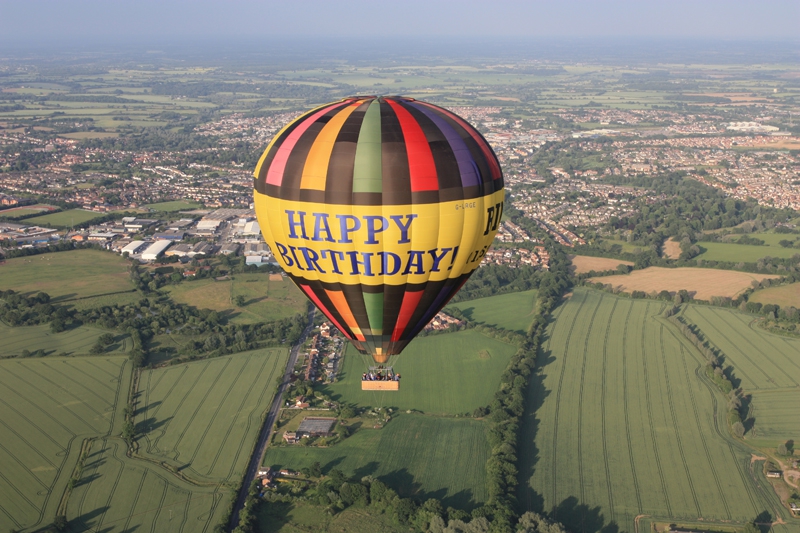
(514, 311)
(67, 275)
(622, 423)
(584, 263)
(783, 295)
(701, 283)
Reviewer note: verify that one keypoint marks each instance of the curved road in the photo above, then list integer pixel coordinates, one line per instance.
(269, 421)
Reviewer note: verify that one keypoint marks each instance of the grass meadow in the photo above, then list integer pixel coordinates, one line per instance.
(65, 219)
(766, 366)
(726, 251)
(47, 408)
(447, 374)
(74, 341)
(419, 456)
(783, 295)
(623, 423)
(203, 417)
(67, 275)
(265, 299)
(514, 311)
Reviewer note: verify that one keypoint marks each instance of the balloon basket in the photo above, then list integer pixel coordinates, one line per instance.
(380, 384)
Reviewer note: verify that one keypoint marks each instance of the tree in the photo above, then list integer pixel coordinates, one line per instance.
(97, 349)
(316, 469)
(60, 523)
(782, 450)
(239, 300)
(738, 429)
(750, 527)
(128, 432)
(106, 339)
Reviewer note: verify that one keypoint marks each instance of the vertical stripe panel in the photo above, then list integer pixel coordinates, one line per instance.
(466, 166)
(420, 159)
(315, 170)
(410, 301)
(318, 303)
(367, 170)
(340, 303)
(374, 304)
(275, 173)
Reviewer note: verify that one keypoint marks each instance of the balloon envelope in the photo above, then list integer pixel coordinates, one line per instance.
(379, 209)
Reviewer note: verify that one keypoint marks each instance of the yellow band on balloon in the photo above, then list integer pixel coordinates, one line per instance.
(379, 245)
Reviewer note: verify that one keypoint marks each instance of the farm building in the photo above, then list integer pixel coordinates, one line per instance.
(155, 250)
(290, 437)
(133, 247)
(774, 473)
(316, 426)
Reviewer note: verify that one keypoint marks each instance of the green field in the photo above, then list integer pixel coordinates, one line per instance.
(203, 417)
(624, 423)
(419, 456)
(75, 341)
(265, 300)
(67, 275)
(782, 295)
(177, 205)
(65, 219)
(299, 517)
(47, 408)
(724, 251)
(118, 494)
(514, 311)
(767, 365)
(452, 373)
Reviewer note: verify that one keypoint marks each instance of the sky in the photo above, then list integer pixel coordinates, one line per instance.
(31, 22)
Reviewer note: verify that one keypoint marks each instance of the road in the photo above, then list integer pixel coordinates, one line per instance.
(269, 421)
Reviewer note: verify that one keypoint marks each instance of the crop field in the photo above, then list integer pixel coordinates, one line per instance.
(623, 423)
(452, 373)
(300, 517)
(417, 455)
(75, 341)
(701, 283)
(177, 205)
(67, 275)
(671, 248)
(120, 494)
(784, 295)
(767, 365)
(514, 311)
(204, 416)
(585, 263)
(47, 407)
(65, 219)
(726, 251)
(266, 299)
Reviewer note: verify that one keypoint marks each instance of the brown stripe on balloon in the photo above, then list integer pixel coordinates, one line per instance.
(355, 300)
(339, 182)
(392, 301)
(394, 159)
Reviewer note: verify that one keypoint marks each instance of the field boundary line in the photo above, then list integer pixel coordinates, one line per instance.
(603, 411)
(77, 383)
(112, 455)
(554, 467)
(163, 429)
(87, 374)
(580, 399)
(675, 421)
(625, 407)
(650, 414)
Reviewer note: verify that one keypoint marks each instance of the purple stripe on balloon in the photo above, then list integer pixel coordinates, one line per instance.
(466, 166)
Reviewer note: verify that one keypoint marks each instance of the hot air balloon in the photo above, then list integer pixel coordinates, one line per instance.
(379, 209)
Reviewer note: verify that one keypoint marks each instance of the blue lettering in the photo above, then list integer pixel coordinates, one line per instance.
(397, 219)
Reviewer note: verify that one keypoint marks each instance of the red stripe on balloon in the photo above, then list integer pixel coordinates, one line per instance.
(318, 303)
(407, 308)
(421, 166)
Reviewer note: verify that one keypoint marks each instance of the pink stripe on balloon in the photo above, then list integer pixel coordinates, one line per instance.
(275, 173)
